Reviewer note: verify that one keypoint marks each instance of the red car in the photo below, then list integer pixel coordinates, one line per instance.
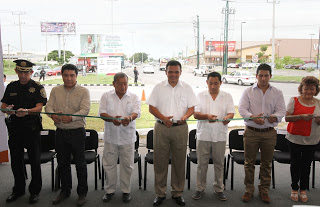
(54, 71)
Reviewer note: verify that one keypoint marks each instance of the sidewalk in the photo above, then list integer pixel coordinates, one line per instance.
(143, 198)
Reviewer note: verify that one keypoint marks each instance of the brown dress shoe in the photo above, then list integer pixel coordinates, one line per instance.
(264, 197)
(246, 197)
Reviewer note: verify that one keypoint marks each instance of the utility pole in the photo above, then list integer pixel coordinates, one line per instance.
(46, 44)
(9, 56)
(311, 45)
(19, 14)
(274, 2)
(241, 45)
(198, 45)
(59, 49)
(318, 50)
(226, 12)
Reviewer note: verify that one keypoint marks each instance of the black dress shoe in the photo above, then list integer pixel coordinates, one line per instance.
(14, 197)
(33, 198)
(107, 197)
(179, 200)
(60, 197)
(158, 200)
(126, 197)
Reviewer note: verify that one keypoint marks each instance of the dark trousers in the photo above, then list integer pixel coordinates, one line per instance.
(135, 79)
(28, 138)
(301, 158)
(41, 76)
(72, 141)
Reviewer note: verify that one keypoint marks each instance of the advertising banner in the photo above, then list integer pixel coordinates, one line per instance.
(101, 45)
(66, 28)
(217, 46)
(109, 66)
(4, 154)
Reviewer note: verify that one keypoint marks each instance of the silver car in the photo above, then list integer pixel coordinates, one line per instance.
(239, 77)
(37, 69)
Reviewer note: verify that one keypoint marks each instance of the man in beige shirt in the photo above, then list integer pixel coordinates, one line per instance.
(70, 98)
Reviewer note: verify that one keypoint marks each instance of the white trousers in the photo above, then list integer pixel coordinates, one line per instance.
(111, 153)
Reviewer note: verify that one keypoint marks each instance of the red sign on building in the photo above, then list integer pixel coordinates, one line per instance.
(217, 46)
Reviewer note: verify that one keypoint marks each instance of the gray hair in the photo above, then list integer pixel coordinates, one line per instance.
(119, 75)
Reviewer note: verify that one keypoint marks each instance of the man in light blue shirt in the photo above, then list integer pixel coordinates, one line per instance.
(259, 101)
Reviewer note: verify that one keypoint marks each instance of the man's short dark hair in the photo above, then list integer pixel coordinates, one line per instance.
(4, 75)
(173, 63)
(119, 75)
(264, 66)
(214, 74)
(69, 67)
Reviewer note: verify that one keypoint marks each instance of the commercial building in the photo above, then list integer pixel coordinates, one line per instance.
(305, 49)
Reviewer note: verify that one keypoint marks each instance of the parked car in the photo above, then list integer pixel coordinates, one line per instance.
(203, 70)
(239, 77)
(36, 70)
(289, 66)
(54, 71)
(297, 66)
(148, 69)
(308, 66)
(233, 65)
(250, 65)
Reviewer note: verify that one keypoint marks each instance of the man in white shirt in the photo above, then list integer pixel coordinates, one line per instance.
(212, 135)
(121, 107)
(171, 102)
(258, 101)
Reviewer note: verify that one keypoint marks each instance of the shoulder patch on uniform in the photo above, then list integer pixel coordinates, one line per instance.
(43, 93)
(37, 82)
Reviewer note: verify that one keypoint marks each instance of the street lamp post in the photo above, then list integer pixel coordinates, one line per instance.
(241, 45)
(311, 45)
(210, 48)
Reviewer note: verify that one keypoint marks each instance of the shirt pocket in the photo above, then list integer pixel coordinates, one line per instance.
(129, 107)
(183, 102)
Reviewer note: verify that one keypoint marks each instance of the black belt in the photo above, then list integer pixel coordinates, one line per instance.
(260, 130)
(174, 124)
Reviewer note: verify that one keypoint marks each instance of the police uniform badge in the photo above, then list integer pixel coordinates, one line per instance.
(32, 89)
(43, 93)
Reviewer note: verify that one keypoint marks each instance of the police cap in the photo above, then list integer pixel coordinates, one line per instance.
(23, 65)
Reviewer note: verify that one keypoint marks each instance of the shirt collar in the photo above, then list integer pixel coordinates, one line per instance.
(166, 83)
(113, 92)
(255, 86)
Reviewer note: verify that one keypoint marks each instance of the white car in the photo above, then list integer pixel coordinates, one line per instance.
(233, 65)
(36, 70)
(250, 65)
(148, 69)
(203, 70)
(240, 77)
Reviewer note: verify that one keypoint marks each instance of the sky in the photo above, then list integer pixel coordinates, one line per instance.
(159, 28)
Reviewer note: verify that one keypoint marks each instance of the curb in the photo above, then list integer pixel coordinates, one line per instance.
(93, 84)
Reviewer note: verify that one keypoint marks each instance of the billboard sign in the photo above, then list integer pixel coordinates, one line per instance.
(217, 46)
(109, 66)
(66, 28)
(101, 45)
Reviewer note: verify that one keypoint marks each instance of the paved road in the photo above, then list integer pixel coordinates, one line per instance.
(198, 83)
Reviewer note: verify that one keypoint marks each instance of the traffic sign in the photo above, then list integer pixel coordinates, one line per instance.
(255, 58)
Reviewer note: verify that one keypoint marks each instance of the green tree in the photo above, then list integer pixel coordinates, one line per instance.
(138, 57)
(53, 55)
(263, 49)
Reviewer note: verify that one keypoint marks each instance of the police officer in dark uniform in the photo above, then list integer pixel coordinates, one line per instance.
(24, 125)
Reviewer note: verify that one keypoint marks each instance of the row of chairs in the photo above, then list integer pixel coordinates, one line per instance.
(48, 154)
(236, 154)
(281, 153)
